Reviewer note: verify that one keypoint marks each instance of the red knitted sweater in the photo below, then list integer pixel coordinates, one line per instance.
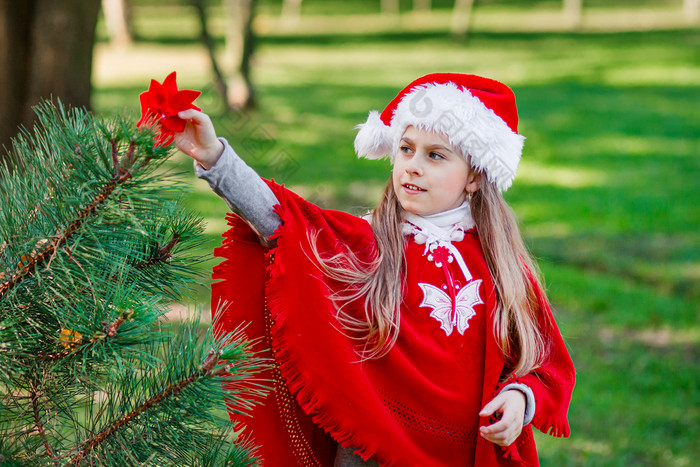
(419, 404)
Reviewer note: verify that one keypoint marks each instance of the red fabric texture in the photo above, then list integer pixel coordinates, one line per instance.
(419, 404)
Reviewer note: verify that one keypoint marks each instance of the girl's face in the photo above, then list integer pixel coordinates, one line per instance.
(430, 175)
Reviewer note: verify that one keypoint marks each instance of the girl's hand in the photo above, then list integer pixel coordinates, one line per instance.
(198, 140)
(511, 406)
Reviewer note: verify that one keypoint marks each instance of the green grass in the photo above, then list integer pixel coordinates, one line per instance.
(607, 191)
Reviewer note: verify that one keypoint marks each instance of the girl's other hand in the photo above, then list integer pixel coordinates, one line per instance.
(511, 407)
(198, 140)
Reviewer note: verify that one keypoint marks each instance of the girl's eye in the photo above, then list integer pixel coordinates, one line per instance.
(405, 149)
(436, 156)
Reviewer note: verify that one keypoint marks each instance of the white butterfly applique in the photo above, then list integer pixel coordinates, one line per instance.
(437, 299)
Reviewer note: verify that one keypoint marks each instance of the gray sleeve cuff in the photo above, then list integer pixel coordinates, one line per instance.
(243, 190)
(529, 397)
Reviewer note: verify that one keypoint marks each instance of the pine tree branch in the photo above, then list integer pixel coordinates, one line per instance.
(204, 370)
(25, 269)
(115, 156)
(87, 276)
(28, 264)
(110, 329)
(130, 155)
(37, 420)
(121, 173)
(162, 254)
(70, 340)
(104, 391)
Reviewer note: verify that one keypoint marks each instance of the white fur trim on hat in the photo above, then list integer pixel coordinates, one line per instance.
(469, 125)
(373, 141)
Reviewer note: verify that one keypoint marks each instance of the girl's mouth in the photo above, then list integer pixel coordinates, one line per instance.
(408, 186)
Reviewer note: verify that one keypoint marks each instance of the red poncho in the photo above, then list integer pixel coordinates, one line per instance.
(419, 404)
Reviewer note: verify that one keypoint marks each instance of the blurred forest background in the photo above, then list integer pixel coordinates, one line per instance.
(607, 193)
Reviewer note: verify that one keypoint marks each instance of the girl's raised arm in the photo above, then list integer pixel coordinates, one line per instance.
(228, 175)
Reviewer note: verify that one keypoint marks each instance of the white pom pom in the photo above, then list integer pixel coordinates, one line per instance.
(373, 141)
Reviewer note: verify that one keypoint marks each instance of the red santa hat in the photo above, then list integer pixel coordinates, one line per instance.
(478, 116)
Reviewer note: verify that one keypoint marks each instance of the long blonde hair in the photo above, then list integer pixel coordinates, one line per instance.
(518, 317)
(380, 283)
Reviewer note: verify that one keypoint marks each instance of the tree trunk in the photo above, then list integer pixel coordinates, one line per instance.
(117, 15)
(45, 51)
(14, 65)
(691, 9)
(208, 42)
(421, 5)
(390, 7)
(240, 45)
(461, 17)
(291, 12)
(572, 10)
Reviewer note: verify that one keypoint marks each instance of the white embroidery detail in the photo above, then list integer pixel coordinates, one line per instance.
(467, 298)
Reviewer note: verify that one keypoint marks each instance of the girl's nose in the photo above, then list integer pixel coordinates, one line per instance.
(414, 167)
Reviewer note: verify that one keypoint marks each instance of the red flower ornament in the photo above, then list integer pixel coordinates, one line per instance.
(160, 106)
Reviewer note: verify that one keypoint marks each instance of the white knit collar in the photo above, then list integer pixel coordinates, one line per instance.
(445, 226)
(439, 231)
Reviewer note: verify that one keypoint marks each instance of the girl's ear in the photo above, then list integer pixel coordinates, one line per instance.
(473, 181)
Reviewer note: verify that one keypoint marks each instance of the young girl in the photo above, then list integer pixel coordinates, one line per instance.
(419, 336)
